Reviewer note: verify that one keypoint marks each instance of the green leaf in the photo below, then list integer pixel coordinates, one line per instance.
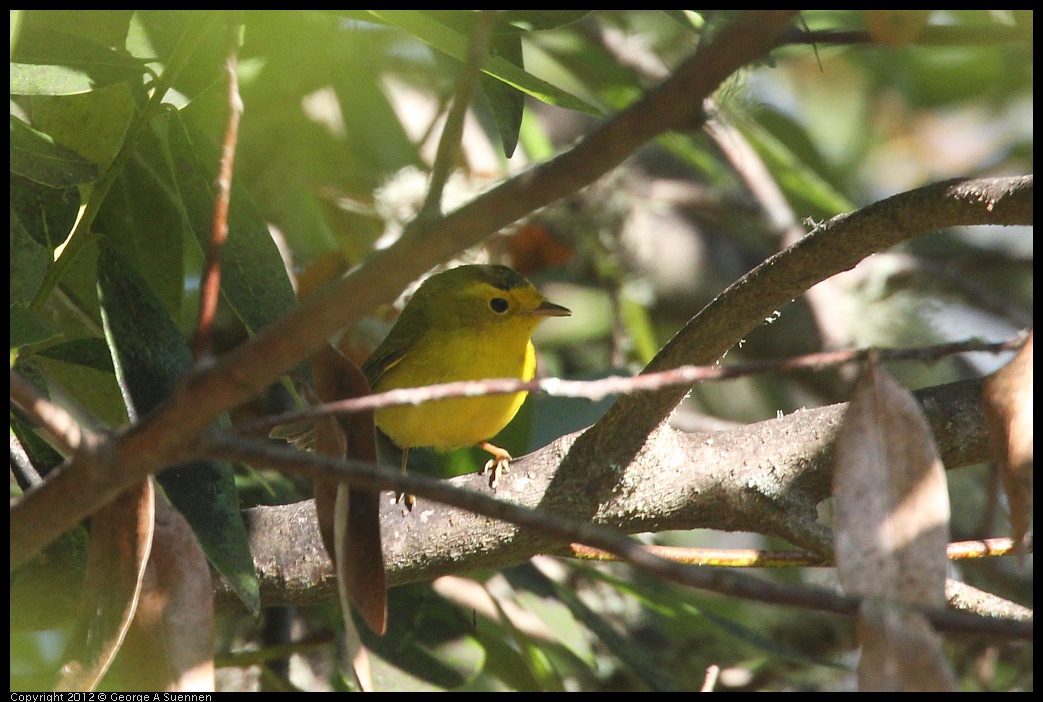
(420, 624)
(629, 652)
(87, 353)
(537, 20)
(94, 124)
(691, 612)
(434, 33)
(29, 263)
(32, 79)
(639, 326)
(79, 312)
(50, 62)
(36, 156)
(43, 213)
(254, 282)
(144, 221)
(43, 458)
(798, 180)
(150, 357)
(375, 146)
(506, 103)
(756, 639)
(28, 326)
(83, 369)
(34, 210)
(534, 657)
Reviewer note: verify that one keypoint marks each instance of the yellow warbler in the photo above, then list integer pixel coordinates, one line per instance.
(467, 323)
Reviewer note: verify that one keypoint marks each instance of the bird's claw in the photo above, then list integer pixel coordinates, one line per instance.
(498, 465)
(408, 500)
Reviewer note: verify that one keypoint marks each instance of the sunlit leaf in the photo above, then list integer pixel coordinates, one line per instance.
(891, 499)
(83, 369)
(120, 543)
(170, 644)
(145, 222)
(36, 156)
(449, 41)
(50, 62)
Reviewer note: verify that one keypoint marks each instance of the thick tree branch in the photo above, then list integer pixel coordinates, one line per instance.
(735, 480)
(771, 473)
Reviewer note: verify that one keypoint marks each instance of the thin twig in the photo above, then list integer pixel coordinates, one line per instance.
(623, 385)
(760, 558)
(968, 598)
(68, 433)
(210, 282)
(750, 167)
(931, 35)
(713, 671)
(719, 557)
(453, 131)
(22, 468)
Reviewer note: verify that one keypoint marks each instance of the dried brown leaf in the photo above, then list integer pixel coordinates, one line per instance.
(900, 651)
(349, 517)
(120, 543)
(891, 533)
(170, 645)
(329, 439)
(1007, 397)
(892, 504)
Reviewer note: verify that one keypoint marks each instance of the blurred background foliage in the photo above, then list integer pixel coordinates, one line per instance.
(342, 111)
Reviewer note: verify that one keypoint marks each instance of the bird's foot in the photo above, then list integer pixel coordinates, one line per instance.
(499, 464)
(406, 500)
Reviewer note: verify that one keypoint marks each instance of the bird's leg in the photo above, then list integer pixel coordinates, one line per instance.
(405, 497)
(499, 464)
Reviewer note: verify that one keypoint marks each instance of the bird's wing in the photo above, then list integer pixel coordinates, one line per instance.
(391, 351)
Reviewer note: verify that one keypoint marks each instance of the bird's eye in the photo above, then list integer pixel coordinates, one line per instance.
(499, 305)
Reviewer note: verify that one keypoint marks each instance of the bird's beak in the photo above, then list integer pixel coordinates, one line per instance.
(549, 309)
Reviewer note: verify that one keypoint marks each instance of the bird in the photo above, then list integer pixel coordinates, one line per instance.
(467, 323)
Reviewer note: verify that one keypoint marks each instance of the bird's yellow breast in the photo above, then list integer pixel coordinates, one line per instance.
(502, 352)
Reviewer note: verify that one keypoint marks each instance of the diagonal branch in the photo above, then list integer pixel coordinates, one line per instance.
(171, 433)
(55, 420)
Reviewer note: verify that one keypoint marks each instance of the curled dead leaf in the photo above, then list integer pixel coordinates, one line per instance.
(891, 497)
(1007, 399)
